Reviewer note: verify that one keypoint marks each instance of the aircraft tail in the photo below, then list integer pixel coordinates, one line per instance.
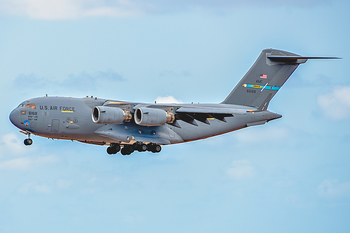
(267, 75)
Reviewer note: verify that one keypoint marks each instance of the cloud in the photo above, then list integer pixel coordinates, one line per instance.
(34, 187)
(240, 169)
(94, 79)
(332, 188)
(68, 9)
(133, 219)
(168, 99)
(15, 164)
(11, 143)
(169, 74)
(26, 163)
(63, 184)
(76, 9)
(85, 81)
(336, 104)
(255, 135)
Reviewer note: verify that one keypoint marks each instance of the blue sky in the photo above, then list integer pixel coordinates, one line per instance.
(290, 175)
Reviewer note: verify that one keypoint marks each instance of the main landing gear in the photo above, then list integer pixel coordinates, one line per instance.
(128, 149)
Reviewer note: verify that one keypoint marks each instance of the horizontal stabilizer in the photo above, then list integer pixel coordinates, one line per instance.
(295, 58)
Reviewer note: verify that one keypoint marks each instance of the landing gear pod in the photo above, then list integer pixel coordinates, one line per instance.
(109, 115)
(152, 116)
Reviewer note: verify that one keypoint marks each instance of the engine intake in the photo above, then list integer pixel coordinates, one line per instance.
(109, 115)
(152, 116)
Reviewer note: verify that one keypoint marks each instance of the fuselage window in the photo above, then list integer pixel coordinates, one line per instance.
(32, 106)
(23, 112)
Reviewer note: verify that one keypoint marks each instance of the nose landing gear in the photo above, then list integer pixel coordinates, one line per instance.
(28, 141)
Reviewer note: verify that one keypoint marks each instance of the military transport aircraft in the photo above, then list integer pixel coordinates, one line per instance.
(129, 126)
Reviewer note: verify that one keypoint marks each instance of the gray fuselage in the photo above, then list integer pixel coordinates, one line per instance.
(71, 119)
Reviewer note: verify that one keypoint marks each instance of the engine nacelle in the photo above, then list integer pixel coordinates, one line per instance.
(109, 115)
(152, 116)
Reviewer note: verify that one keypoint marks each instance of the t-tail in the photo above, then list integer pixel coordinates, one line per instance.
(267, 75)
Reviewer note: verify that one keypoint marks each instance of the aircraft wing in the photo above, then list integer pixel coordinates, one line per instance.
(189, 114)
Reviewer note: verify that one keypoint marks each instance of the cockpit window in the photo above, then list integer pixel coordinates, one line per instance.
(31, 106)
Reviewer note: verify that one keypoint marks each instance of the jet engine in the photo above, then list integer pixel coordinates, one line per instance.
(109, 115)
(152, 116)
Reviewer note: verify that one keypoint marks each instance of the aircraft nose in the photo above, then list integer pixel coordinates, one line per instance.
(14, 117)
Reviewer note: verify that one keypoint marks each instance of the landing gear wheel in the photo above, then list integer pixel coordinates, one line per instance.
(116, 147)
(157, 149)
(150, 147)
(143, 147)
(123, 151)
(28, 142)
(113, 149)
(129, 149)
(110, 151)
(139, 146)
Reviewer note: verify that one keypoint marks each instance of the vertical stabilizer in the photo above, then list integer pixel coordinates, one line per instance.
(263, 80)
